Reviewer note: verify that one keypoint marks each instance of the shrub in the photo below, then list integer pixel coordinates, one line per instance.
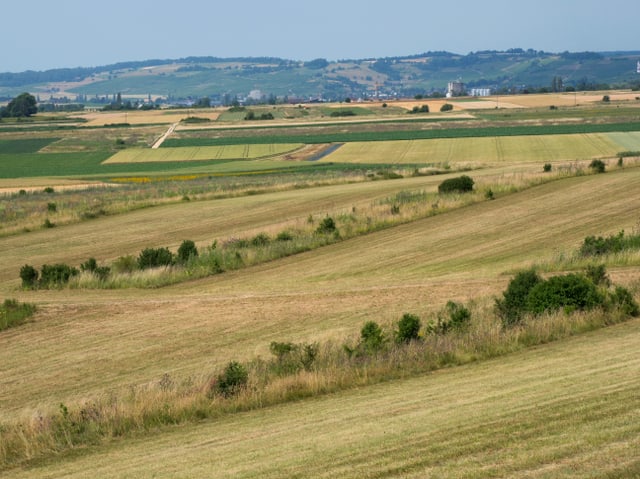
(14, 313)
(186, 251)
(29, 276)
(461, 184)
(455, 317)
(154, 257)
(606, 98)
(261, 239)
(568, 292)
(292, 357)
(125, 264)
(597, 274)
(547, 167)
(597, 246)
(233, 379)
(48, 224)
(49, 190)
(446, 107)
(622, 299)
(52, 207)
(408, 328)
(90, 265)
(598, 166)
(56, 274)
(326, 226)
(372, 338)
(420, 109)
(513, 305)
(489, 194)
(284, 236)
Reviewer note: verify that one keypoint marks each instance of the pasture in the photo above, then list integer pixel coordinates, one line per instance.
(563, 409)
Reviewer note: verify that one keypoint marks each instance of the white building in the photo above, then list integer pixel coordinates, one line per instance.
(455, 88)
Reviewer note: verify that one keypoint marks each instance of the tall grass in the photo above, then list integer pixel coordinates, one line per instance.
(406, 206)
(166, 401)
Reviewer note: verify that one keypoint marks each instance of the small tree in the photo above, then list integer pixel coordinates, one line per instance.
(513, 305)
(233, 379)
(327, 225)
(154, 257)
(186, 251)
(461, 184)
(446, 107)
(408, 328)
(372, 337)
(29, 276)
(598, 166)
(547, 167)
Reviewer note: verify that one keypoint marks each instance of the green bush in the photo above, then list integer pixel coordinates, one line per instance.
(29, 276)
(56, 274)
(622, 299)
(232, 380)
(547, 167)
(597, 274)
(372, 339)
(284, 236)
(446, 107)
(461, 184)
(154, 257)
(261, 239)
(186, 251)
(569, 292)
(597, 246)
(455, 317)
(125, 264)
(598, 166)
(14, 313)
(326, 226)
(513, 305)
(291, 357)
(408, 328)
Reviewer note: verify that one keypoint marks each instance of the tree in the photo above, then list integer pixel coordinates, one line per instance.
(24, 105)
(408, 328)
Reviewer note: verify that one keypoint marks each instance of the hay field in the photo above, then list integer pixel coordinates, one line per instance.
(491, 151)
(90, 342)
(230, 152)
(134, 117)
(563, 410)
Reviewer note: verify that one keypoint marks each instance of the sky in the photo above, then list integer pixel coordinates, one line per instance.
(46, 34)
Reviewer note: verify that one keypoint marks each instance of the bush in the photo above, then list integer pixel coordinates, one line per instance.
(292, 357)
(461, 184)
(154, 257)
(261, 239)
(622, 299)
(125, 264)
(446, 107)
(547, 167)
(420, 109)
(56, 274)
(408, 328)
(569, 292)
(455, 317)
(326, 226)
(232, 380)
(606, 98)
(371, 337)
(513, 305)
(598, 246)
(598, 166)
(29, 276)
(90, 265)
(186, 251)
(597, 274)
(284, 236)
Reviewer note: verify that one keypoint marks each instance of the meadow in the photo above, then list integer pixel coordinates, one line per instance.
(563, 408)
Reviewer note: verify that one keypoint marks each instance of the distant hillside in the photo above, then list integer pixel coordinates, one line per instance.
(222, 79)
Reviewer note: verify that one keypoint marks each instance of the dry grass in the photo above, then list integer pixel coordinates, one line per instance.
(554, 411)
(124, 337)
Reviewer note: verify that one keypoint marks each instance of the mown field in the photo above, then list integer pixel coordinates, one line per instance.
(563, 409)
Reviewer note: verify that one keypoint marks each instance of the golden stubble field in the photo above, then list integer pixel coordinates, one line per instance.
(88, 342)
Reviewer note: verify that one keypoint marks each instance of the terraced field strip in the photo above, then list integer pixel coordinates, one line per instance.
(230, 152)
(564, 410)
(88, 342)
(496, 150)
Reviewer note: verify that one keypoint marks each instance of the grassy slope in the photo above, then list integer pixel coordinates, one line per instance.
(123, 337)
(567, 409)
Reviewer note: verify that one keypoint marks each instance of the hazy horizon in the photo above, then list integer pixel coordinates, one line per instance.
(68, 34)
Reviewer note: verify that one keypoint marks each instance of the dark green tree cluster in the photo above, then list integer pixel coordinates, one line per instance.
(22, 106)
(461, 184)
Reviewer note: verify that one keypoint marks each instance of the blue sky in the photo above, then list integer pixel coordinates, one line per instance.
(44, 34)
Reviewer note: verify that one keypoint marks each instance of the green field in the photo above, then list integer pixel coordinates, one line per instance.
(231, 152)
(500, 150)
(113, 382)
